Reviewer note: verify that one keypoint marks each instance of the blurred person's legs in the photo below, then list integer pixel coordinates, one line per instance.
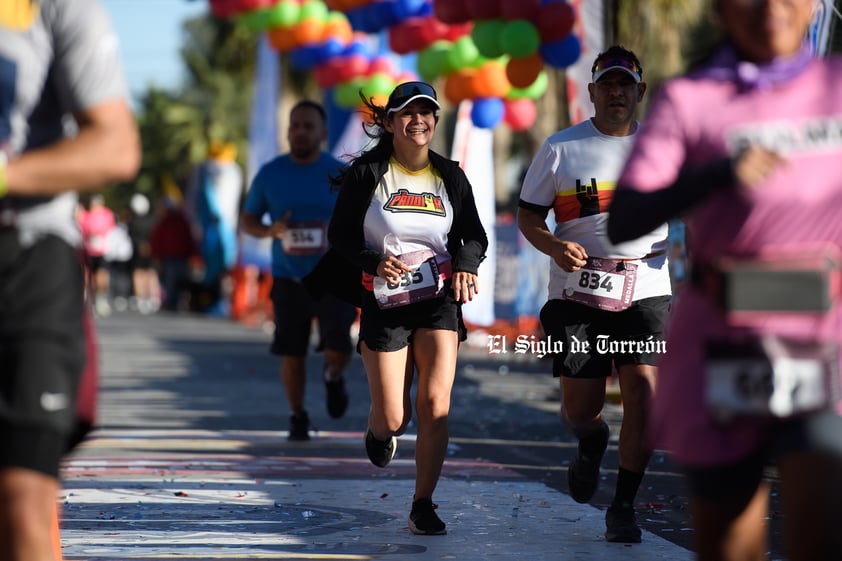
(146, 289)
(174, 274)
(100, 285)
(42, 343)
(294, 312)
(729, 502)
(335, 319)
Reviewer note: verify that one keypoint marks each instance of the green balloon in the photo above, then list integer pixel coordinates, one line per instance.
(347, 95)
(379, 83)
(284, 14)
(254, 20)
(313, 9)
(534, 90)
(434, 60)
(463, 54)
(486, 36)
(520, 38)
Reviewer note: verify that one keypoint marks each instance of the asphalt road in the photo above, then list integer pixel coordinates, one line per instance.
(186, 372)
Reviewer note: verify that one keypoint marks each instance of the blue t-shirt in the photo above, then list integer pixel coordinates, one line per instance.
(282, 185)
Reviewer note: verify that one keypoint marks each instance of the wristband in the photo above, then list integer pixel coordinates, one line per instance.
(4, 189)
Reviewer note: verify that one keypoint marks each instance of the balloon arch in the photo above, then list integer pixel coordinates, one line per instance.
(492, 52)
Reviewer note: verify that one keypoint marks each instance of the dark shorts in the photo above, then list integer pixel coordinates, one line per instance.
(392, 329)
(42, 350)
(633, 336)
(820, 432)
(295, 310)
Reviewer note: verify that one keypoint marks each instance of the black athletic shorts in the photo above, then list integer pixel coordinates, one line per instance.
(818, 432)
(42, 350)
(295, 310)
(593, 339)
(392, 329)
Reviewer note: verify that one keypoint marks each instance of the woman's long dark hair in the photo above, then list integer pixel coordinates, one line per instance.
(375, 129)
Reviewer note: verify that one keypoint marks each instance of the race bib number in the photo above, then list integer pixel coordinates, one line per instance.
(772, 377)
(607, 284)
(422, 283)
(305, 238)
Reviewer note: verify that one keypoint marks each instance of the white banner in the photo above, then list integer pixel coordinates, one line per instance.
(590, 28)
(473, 148)
(263, 140)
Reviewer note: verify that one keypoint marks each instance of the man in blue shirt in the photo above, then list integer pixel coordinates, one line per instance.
(293, 189)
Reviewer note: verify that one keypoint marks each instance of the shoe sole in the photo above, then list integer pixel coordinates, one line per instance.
(620, 538)
(419, 532)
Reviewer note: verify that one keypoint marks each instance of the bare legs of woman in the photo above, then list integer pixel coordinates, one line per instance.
(390, 375)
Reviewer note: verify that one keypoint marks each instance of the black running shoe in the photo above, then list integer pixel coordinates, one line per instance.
(380, 452)
(621, 525)
(423, 520)
(583, 472)
(299, 427)
(336, 397)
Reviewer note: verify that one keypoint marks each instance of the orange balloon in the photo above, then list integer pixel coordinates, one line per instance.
(339, 29)
(492, 80)
(522, 72)
(281, 39)
(308, 31)
(461, 85)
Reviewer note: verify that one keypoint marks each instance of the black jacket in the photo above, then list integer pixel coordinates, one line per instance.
(340, 270)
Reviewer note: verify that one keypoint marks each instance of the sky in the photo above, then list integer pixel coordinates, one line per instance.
(150, 37)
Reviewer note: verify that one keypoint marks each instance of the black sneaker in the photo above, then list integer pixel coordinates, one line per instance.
(423, 520)
(299, 427)
(583, 472)
(336, 397)
(380, 452)
(621, 525)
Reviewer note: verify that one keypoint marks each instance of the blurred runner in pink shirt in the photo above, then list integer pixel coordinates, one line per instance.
(747, 147)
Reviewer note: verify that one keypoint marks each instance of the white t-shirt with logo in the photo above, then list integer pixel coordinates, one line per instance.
(575, 172)
(409, 211)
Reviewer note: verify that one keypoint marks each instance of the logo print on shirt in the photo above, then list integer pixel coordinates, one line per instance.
(588, 197)
(425, 203)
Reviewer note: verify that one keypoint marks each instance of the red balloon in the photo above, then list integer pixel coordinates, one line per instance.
(451, 11)
(382, 65)
(520, 9)
(404, 38)
(519, 114)
(483, 9)
(325, 75)
(454, 32)
(555, 21)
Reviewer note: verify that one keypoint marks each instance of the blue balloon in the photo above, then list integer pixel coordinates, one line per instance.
(306, 57)
(487, 112)
(561, 53)
(405, 9)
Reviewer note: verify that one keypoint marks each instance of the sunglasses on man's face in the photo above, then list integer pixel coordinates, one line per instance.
(614, 61)
(409, 89)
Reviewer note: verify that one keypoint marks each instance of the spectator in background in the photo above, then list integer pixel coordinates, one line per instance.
(146, 287)
(118, 258)
(172, 246)
(96, 221)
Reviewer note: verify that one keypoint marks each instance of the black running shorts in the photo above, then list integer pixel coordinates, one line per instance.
(632, 336)
(295, 310)
(42, 350)
(392, 329)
